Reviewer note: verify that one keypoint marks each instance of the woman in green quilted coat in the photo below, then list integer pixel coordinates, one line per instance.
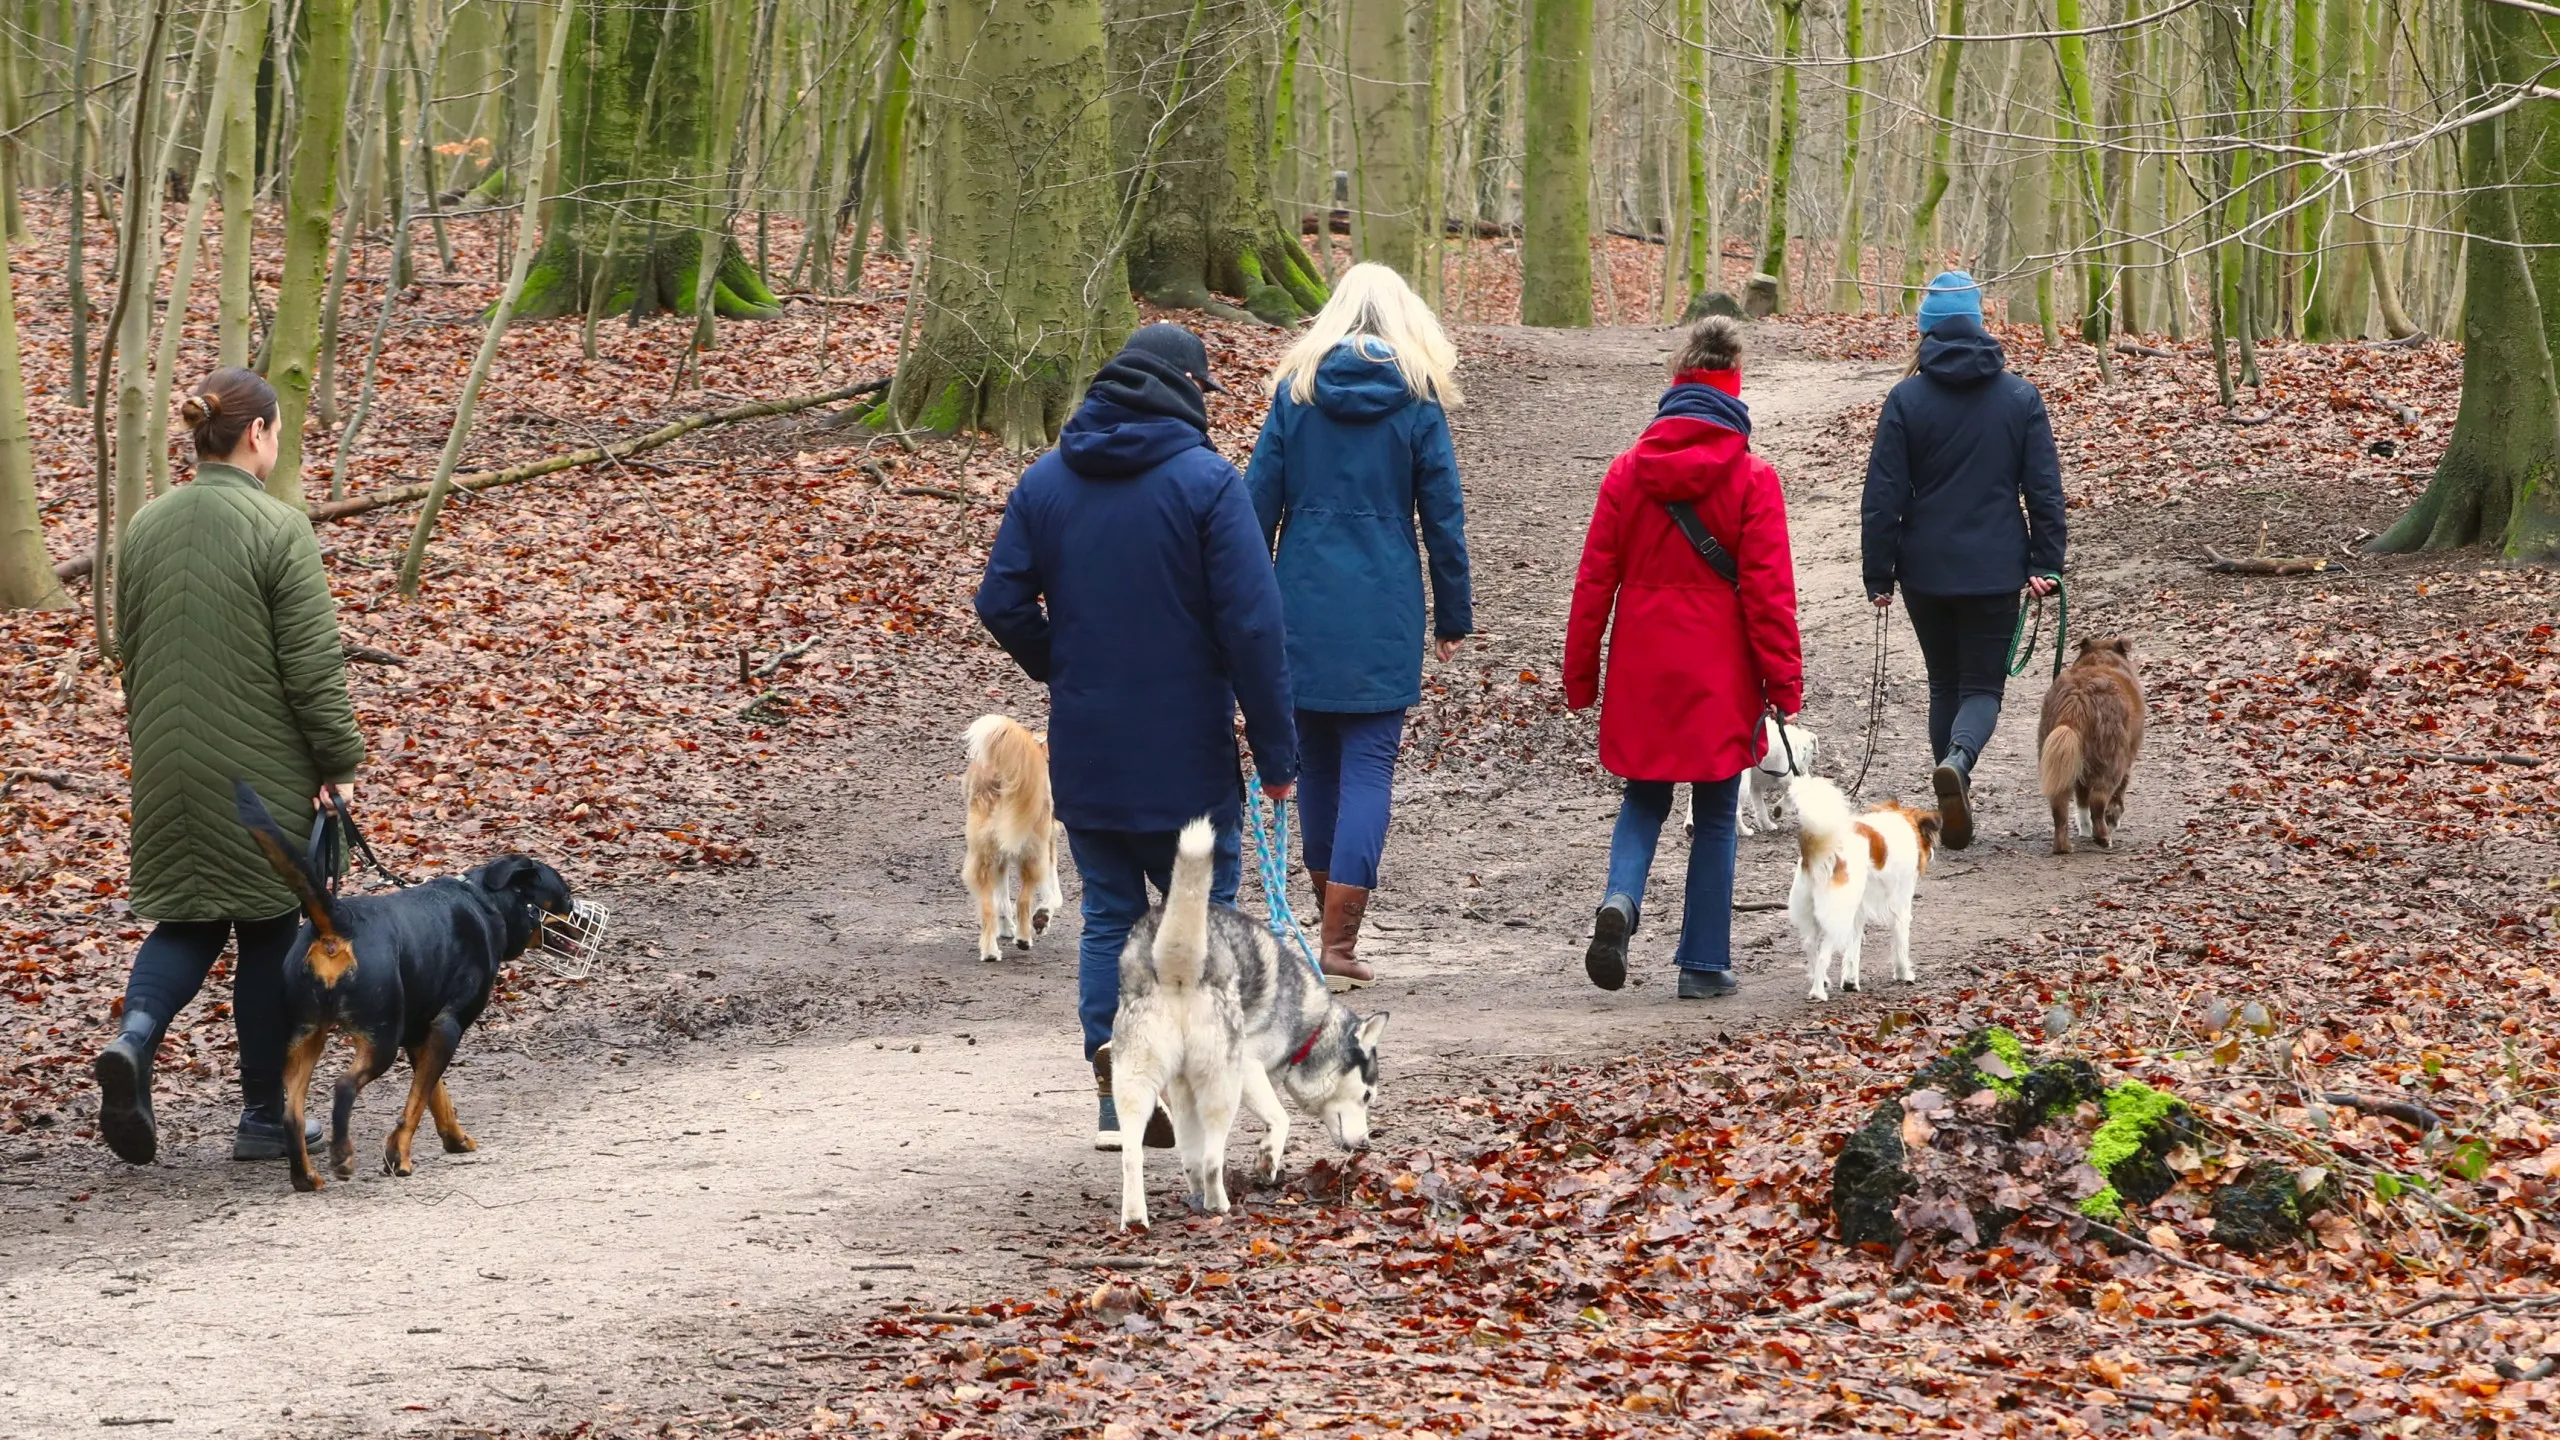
(232, 669)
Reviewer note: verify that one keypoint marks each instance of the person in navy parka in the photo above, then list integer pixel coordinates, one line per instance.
(1129, 575)
(1963, 509)
(1354, 452)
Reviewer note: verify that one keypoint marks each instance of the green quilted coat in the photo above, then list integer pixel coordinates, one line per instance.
(232, 668)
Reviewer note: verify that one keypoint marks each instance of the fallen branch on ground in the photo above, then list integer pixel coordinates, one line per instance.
(2221, 564)
(58, 779)
(2147, 352)
(532, 469)
(788, 654)
(2225, 1320)
(368, 655)
(2261, 418)
(2404, 1111)
(948, 1317)
(2449, 758)
(2401, 410)
(2138, 1243)
(2410, 341)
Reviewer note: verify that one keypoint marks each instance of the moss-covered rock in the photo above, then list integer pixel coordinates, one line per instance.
(2131, 1148)
(2266, 1208)
(1872, 1177)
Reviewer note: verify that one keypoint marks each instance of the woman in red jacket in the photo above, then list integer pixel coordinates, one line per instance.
(1703, 643)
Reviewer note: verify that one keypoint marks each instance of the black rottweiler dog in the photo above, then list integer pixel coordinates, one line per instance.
(406, 971)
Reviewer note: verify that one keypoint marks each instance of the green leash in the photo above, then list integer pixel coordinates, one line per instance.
(2022, 641)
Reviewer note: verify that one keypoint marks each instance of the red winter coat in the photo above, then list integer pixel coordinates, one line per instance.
(1692, 662)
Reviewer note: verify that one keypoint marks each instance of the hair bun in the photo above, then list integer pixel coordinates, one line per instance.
(200, 408)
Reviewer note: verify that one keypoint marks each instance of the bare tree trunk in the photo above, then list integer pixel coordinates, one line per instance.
(546, 131)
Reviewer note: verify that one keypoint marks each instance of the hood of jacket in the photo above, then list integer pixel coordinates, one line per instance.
(1959, 352)
(1359, 381)
(1138, 413)
(1698, 436)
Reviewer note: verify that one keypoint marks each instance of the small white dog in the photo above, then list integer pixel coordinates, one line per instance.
(1853, 871)
(1012, 867)
(1764, 784)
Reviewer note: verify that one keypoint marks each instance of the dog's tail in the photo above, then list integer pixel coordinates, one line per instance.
(330, 956)
(1182, 938)
(1823, 821)
(2059, 767)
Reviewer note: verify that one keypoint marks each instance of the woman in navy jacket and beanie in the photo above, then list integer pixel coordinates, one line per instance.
(1963, 510)
(1696, 654)
(1354, 452)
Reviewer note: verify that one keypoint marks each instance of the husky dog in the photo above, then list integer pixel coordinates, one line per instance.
(1012, 869)
(1764, 785)
(1211, 1012)
(1853, 871)
(2087, 740)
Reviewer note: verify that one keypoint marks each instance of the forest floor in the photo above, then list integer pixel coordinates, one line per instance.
(729, 1182)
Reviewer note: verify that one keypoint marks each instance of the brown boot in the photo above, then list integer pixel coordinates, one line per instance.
(1343, 907)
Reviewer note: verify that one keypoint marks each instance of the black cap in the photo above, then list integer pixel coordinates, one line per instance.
(1178, 348)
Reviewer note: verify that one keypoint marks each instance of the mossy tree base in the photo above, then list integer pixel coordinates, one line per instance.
(946, 394)
(1188, 119)
(568, 274)
(2496, 481)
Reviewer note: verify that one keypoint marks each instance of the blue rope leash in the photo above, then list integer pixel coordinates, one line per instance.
(1271, 862)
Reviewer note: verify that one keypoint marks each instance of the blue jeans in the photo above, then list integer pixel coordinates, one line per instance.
(1346, 785)
(1116, 867)
(172, 965)
(1706, 922)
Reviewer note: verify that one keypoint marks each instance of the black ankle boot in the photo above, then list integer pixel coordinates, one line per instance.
(263, 1133)
(123, 1069)
(1953, 781)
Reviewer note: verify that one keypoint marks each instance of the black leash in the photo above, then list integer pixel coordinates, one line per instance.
(336, 821)
(1875, 697)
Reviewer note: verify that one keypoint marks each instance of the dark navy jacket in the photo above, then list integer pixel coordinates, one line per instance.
(1130, 577)
(1340, 483)
(1964, 491)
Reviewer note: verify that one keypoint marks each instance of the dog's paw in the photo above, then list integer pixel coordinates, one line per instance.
(343, 1163)
(307, 1182)
(460, 1143)
(394, 1162)
(1266, 1167)
(1818, 995)
(1850, 987)
(1136, 1223)
(1039, 925)
(991, 956)
(1022, 943)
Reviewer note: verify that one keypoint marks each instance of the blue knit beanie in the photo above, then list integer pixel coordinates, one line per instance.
(1952, 293)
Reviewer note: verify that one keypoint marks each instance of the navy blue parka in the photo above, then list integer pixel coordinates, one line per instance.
(1129, 575)
(1964, 490)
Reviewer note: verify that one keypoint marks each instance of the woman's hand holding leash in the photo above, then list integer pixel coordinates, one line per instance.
(1446, 647)
(2042, 584)
(1281, 792)
(343, 797)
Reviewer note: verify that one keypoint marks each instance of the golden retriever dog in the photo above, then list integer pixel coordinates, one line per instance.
(1012, 867)
(2088, 738)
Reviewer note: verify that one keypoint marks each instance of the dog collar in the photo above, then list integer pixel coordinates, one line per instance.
(1305, 1048)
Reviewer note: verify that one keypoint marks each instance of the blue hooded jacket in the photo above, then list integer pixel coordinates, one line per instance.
(1964, 490)
(1340, 483)
(1128, 576)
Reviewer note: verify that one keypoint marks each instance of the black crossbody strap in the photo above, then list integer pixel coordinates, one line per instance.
(1720, 560)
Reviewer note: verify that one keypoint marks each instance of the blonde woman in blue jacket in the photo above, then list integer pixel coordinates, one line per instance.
(1354, 481)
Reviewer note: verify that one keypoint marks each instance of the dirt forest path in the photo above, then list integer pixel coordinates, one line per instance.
(869, 1114)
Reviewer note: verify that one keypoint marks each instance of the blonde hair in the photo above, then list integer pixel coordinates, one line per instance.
(1372, 300)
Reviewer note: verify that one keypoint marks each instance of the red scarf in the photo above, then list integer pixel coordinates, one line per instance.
(1728, 381)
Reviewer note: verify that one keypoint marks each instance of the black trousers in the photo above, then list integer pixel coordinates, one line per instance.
(171, 966)
(1964, 642)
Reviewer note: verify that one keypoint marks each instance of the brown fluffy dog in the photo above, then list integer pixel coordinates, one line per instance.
(1012, 869)
(2088, 737)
